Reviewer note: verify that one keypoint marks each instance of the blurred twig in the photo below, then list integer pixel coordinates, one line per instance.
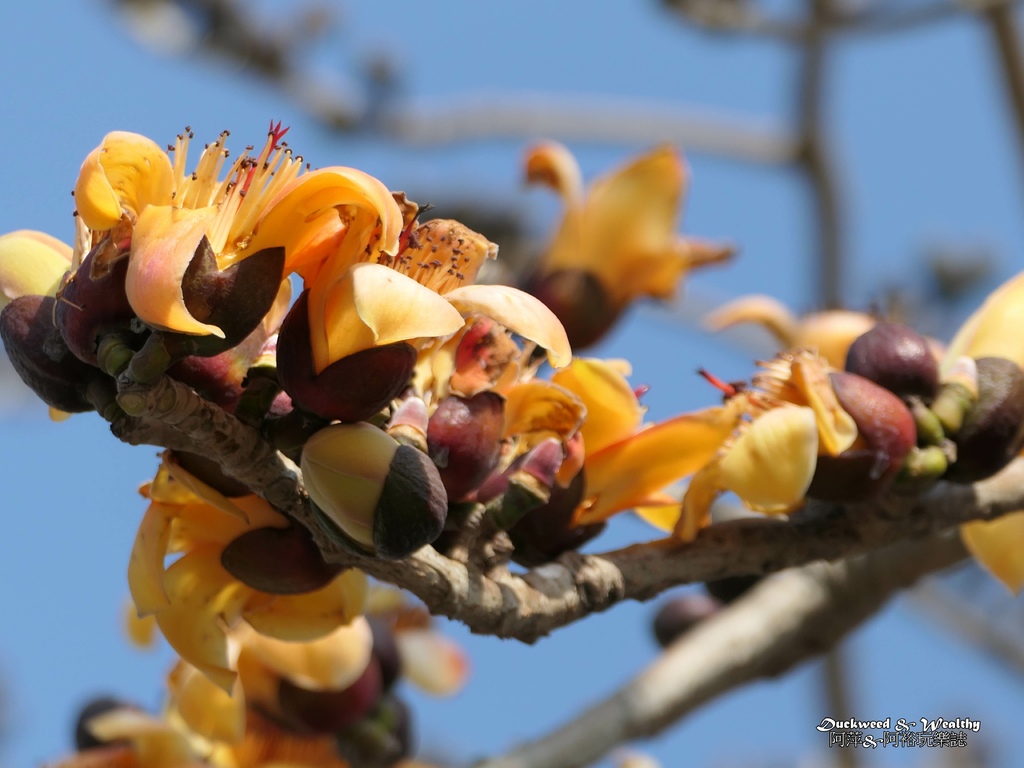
(1002, 22)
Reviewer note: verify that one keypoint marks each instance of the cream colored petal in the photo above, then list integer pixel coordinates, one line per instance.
(543, 407)
(997, 546)
(31, 264)
(332, 662)
(146, 563)
(623, 475)
(837, 430)
(769, 313)
(613, 411)
(207, 709)
(994, 329)
(204, 599)
(163, 245)
(127, 172)
(830, 334)
(313, 614)
(553, 165)
(771, 465)
(432, 662)
(520, 312)
(373, 305)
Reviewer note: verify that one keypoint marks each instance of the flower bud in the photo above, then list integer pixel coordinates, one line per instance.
(579, 301)
(385, 650)
(409, 423)
(546, 532)
(279, 561)
(235, 299)
(383, 738)
(897, 358)
(350, 389)
(886, 434)
(464, 439)
(385, 497)
(327, 711)
(93, 303)
(731, 588)
(680, 614)
(40, 356)
(991, 434)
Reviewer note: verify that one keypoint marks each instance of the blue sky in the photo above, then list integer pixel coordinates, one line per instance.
(927, 154)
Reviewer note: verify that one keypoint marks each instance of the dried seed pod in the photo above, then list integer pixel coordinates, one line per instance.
(350, 389)
(464, 440)
(280, 561)
(991, 434)
(886, 433)
(895, 357)
(40, 356)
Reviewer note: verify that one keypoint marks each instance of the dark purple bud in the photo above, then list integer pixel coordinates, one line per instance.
(350, 389)
(280, 561)
(93, 303)
(464, 440)
(897, 358)
(380, 740)
(547, 531)
(385, 650)
(413, 505)
(84, 738)
(731, 588)
(678, 615)
(209, 472)
(580, 301)
(991, 434)
(40, 356)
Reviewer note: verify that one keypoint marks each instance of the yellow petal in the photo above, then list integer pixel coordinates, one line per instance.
(56, 415)
(997, 546)
(520, 312)
(538, 406)
(201, 490)
(163, 245)
(127, 172)
(314, 217)
(830, 334)
(769, 313)
(155, 743)
(31, 264)
(624, 474)
(994, 329)
(332, 662)
(664, 517)
(207, 709)
(141, 630)
(771, 465)
(432, 662)
(313, 614)
(837, 430)
(613, 411)
(203, 599)
(146, 564)
(373, 305)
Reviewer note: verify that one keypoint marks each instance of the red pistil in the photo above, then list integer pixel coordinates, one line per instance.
(277, 133)
(729, 389)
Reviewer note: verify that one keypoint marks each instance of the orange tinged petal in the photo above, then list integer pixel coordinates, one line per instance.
(125, 173)
(538, 406)
(623, 475)
(312, 614)
(432, 662)
(207, 709)
(554, 166)
(613, 411)
(996, 545)
(163, 245)
(146, 564)
(518, 311)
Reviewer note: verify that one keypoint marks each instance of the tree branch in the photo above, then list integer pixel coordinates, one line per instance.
(531, 605)
(779, 624)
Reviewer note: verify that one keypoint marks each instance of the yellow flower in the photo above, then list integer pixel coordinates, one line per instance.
(196, 598)
(617, 242)
(830, 333)
(136, 740)
(129, 187)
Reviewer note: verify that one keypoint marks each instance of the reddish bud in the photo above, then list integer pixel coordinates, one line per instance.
(886, 433)
(897, 358)
(679, 615)
(350, 389)
(40, 356)
(330, 711)
(547, 531)
(464, 439)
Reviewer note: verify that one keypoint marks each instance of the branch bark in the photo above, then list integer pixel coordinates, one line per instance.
(779, 624)
(530, 605)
